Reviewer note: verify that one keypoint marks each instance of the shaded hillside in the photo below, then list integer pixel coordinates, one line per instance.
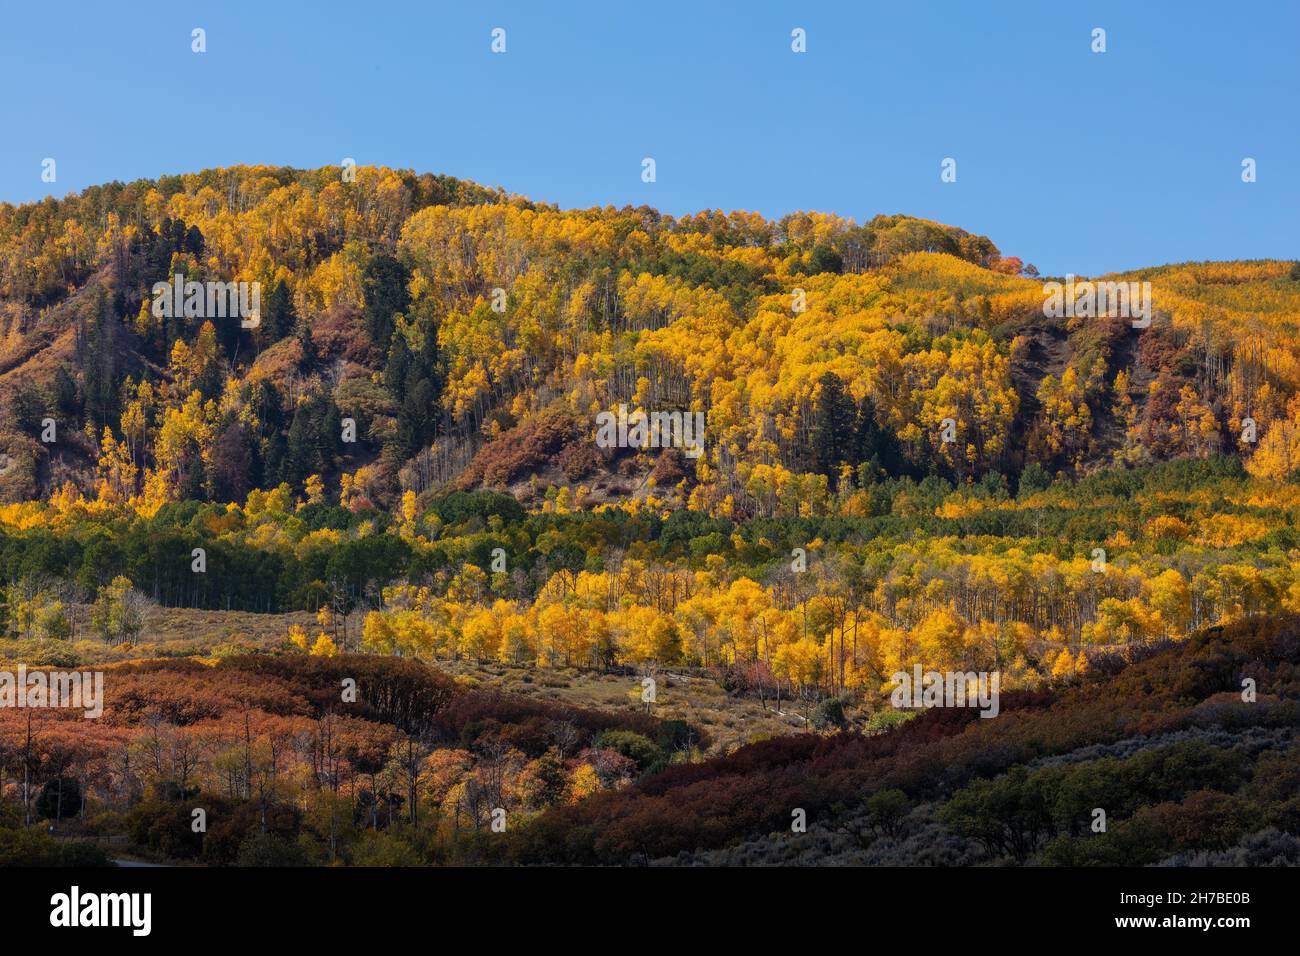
(1165, 744)
(288, 769)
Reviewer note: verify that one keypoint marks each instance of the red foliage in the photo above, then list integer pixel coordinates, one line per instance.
(522, 450)
(753, 791)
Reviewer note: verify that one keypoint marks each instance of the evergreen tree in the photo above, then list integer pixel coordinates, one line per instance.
(825, 259)
(395, 369)
(274, 454)
(302, 330)
(384, 287)
(99, 343)
(1033, 479)
(416, 418)
(279, 317)
(65, 395)
(300, 452)
(331, 437)
(833, 427)
(874, 446)
(29, 406)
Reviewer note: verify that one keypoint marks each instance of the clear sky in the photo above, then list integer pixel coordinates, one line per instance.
(1072, 160)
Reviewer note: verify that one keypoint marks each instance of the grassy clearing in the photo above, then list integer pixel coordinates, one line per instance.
(167, 632)
(729, 720)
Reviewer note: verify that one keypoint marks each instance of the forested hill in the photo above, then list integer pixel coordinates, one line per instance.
(470, 338)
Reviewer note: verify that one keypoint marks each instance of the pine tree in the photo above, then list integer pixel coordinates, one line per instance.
(399, 361)
(874, 446)
(384, 288)
(302, 330)
(300, 453)
(99, 344)
(65, 395)
(279, 317)
(833, 426)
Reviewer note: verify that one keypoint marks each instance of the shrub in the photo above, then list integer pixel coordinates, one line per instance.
(522, 450)
(648, 755)
(270, 849)
(829, 713)
(59, 798)
(34, 848)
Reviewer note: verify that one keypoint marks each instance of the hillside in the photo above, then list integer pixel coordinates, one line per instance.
(386, 436)
(1186, 771)
(473, 336)
(1186, 768)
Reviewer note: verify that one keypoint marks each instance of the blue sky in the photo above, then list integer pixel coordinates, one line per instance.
(1072, 160)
